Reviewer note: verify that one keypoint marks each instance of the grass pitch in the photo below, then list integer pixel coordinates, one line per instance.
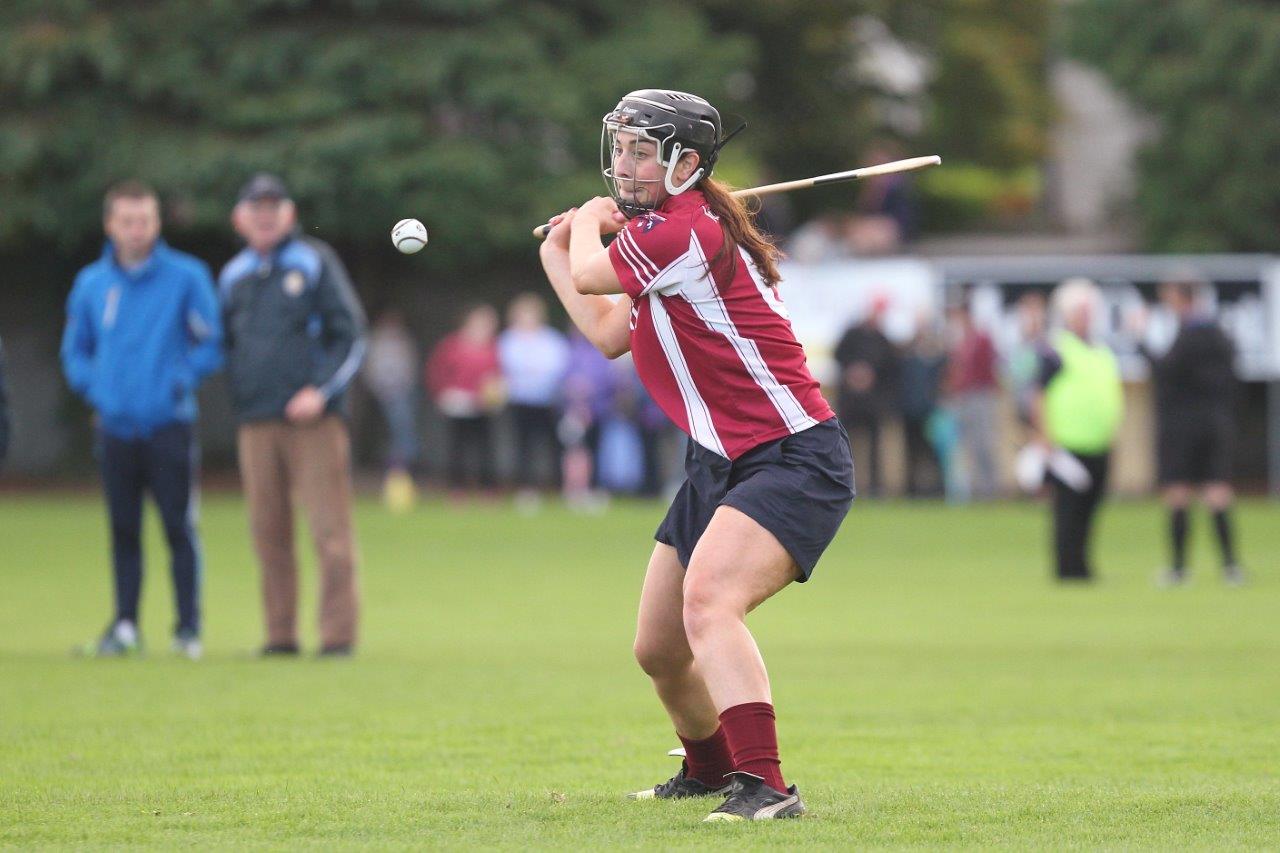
(933, 690)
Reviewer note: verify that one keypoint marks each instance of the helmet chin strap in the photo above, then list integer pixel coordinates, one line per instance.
(668, 180)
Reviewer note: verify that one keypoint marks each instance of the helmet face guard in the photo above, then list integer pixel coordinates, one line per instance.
(663, 125)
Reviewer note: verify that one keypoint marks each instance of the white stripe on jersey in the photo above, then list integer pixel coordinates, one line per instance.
(635, 270)
(701, 293)
(767, 293)
(672, 277)
(629, 242)
(701, 427)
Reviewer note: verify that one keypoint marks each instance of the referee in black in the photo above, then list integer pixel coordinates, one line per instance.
(1195, 387)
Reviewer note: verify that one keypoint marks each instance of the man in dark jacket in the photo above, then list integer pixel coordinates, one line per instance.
(142, 332)
(295, 339)
(1195, 385)
(868, 366)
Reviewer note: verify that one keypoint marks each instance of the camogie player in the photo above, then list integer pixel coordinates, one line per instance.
(770, 477)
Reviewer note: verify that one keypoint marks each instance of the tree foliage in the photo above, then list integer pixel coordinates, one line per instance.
(478, 116)
(467, 113)
(1209, 72)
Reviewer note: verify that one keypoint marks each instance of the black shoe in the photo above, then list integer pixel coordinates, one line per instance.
(341, 650)
(680, 786)
(751, 799)
(279, 650)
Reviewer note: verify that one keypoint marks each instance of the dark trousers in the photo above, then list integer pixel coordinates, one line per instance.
(470, 452)
(535, 429)
(1073, 514)
(921, 459)
(863, 422)
(164, 465)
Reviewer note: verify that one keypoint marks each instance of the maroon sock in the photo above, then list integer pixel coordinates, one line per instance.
(753, 737)
(709, 759)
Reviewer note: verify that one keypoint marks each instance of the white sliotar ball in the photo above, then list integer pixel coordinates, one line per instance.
(409, 236)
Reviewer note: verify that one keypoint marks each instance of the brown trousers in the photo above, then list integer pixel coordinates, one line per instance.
(313, 462)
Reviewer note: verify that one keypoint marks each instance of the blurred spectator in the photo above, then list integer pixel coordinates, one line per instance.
(620, 456)
(868, 366)
(142, 332)
(655, 430)
(817, 241)
(588, 391)
(1078, 410)
(390, 372)
(776, 216)
(1023, 365)
(4, 411)
(886, 215)
(923, 364)
(534, 358)
(972, 396)
(295, 339)
(466, 383)
(1196, 385)
(632, 433)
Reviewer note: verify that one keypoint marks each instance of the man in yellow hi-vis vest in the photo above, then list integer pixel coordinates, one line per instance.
(1078, 409)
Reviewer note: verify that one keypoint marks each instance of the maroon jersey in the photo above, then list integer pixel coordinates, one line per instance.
(716, 351)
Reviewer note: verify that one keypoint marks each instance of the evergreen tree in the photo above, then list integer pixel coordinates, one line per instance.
(1209, 72)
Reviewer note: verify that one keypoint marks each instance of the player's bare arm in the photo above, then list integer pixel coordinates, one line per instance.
(590, 268)
(601, 320)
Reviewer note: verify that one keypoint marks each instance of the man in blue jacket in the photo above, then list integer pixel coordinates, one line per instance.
(143, 329)
(295, 338)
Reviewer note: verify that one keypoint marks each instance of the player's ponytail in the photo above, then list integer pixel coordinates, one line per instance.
(738, 225)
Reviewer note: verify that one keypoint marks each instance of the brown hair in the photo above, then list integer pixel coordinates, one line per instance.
(127, 189)
(737, 223)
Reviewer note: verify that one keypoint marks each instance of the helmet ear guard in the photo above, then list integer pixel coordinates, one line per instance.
(668, 179)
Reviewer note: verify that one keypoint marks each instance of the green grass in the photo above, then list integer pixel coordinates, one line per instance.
(934, 690)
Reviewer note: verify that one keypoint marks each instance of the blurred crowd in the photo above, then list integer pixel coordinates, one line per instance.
(576, 422)
(580, 423)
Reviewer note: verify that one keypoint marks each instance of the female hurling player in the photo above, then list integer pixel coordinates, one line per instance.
(769, 474)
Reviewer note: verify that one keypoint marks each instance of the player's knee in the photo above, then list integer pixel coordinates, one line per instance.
(1218, 496)
(1177, 496)
(704, 609)
(659, 659)
(334, 554)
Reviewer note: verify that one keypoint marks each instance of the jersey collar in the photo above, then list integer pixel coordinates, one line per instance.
(686, 200)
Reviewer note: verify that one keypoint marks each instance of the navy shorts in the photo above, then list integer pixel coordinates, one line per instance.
(798, 487)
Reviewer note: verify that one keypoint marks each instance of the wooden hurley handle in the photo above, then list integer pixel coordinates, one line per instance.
(909, 165)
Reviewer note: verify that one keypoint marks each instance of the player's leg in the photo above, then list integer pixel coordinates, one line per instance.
(320, 463)
(663, 653)
(525, 429)
(736, 565)
(1219, 498)
(1098, 467)
(484, 449)
(1177, 500)
(1177, 467)
(1069, 530)
(456, 450)
(171, 473)
(265, 477)
(122, 480)
(1218, 494)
